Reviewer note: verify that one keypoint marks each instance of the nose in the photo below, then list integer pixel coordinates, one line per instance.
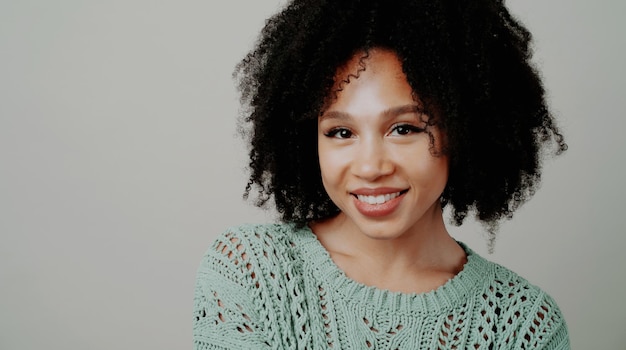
(372, 160)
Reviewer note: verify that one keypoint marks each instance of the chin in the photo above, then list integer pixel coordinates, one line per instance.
(381, 229)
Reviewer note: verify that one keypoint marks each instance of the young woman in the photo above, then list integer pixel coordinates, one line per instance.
(365, 119)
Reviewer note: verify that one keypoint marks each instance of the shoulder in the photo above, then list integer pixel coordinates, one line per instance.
(512, 287)
(240, 250)
(234, 300)
(527, 315)
(255, 236)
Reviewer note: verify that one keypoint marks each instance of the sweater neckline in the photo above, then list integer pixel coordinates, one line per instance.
(451, 295)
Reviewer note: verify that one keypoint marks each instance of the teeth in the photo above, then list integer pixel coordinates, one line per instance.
(380, 199)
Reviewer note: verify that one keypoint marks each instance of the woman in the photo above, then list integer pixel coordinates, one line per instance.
(365, 119)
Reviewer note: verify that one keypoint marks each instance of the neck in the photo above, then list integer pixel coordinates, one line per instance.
(418, 260)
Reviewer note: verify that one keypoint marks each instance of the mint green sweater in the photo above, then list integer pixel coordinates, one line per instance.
(275, 287)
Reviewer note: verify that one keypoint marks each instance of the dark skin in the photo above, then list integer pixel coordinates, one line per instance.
(378, 166)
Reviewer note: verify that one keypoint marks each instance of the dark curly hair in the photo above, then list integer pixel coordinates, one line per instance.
(469, 60)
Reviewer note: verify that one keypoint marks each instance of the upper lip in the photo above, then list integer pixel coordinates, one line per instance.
(377, 191)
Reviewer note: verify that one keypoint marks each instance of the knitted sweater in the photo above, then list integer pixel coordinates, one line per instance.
(276, 287)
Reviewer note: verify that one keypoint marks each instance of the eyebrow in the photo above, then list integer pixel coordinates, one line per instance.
(388, 113)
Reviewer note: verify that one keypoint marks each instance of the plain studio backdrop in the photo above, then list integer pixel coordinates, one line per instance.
(119, 164)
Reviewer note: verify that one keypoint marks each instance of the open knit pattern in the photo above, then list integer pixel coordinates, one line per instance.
(276, 287)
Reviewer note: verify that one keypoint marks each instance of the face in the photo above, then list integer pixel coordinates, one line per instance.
(376, 158)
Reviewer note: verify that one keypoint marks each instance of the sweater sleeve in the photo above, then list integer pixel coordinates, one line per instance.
(546, 328)
(225, 314)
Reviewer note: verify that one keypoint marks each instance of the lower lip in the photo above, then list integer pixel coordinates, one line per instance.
(378, 210)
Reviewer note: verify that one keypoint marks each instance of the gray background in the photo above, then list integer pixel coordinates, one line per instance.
(119, 165)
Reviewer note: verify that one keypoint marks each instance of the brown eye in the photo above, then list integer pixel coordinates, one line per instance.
(405, 129)
(340, 133)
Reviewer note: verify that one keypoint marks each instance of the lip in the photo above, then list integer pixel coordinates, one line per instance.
(378, 210)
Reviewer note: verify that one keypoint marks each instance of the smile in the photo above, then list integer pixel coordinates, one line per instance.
(378, 198)
(377, 202)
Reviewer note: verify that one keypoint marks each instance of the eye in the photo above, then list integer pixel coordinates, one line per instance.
(339, 133)
(405, 129)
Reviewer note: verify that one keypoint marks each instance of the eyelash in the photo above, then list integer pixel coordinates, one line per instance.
(334, 133)
(408, 127)
(347, 133)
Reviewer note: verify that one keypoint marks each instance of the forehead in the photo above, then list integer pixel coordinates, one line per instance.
(364, 67)
(370, 77)
(375, 61)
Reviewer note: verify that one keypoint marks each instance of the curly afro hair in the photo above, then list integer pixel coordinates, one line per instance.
(468, 60)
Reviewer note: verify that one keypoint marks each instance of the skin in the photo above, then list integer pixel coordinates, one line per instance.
(372, 141)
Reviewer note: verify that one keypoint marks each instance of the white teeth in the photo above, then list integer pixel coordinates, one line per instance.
(380, 199)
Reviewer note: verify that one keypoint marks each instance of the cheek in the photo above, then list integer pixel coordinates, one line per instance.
(438, 170)
(430, 171)
(333, 166)
(328, 165)
(325, 162)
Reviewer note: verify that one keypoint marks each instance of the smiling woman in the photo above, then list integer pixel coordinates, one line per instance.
(381, 165)
(365, 120)
(376, 158)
